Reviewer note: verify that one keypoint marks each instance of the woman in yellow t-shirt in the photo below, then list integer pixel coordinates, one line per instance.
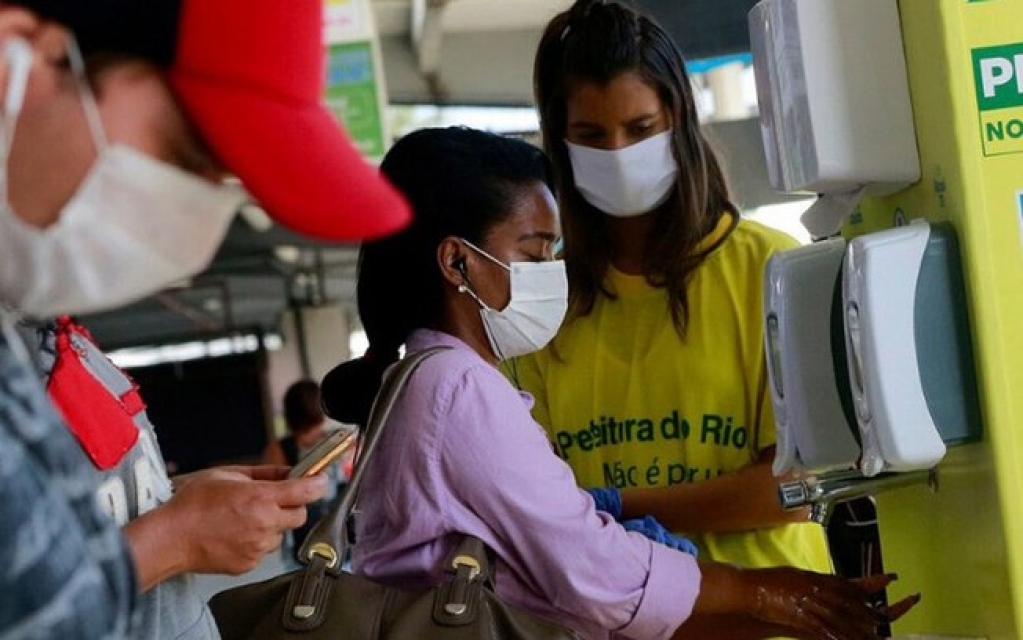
(656, 384)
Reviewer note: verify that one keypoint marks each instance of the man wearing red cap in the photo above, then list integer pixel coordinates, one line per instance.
(118, 121)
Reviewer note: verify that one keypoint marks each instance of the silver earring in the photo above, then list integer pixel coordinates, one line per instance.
(462, 288)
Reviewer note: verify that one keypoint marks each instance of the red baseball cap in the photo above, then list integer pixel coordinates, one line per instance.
(250, 74)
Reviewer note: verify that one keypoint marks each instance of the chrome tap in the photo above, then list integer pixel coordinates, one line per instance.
(822, 491)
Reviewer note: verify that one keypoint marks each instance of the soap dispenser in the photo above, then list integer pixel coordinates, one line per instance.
(805, 344)
(910, 354)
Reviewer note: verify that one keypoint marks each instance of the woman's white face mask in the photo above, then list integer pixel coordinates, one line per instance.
(134, 226)
(539, 300)
(629, 181)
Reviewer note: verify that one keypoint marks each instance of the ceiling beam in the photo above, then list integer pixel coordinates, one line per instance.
(427, 40)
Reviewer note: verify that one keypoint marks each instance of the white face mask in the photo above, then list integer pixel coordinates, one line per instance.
(629, 181)
(539, 299)
(134, 226)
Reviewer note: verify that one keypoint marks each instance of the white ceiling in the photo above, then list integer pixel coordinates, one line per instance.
(394, 17)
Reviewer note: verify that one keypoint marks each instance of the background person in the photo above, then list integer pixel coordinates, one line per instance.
(462, 455)
(307, 425)
(114, 144)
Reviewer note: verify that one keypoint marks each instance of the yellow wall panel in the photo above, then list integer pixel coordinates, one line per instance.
(962, 545)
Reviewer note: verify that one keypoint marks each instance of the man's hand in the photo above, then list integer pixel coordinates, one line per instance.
(221, 520)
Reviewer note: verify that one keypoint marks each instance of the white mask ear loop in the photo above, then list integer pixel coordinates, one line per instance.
(486, 255)
(464, 288)
(18, 56)
(92, 117)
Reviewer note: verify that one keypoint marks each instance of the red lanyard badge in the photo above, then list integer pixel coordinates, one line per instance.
(103, 422)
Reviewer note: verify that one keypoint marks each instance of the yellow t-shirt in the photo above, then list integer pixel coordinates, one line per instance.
(631, 404)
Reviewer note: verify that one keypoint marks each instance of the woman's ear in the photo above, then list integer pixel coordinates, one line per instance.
(451, 258)
(15, 21)
(51, 42)
(21, 24)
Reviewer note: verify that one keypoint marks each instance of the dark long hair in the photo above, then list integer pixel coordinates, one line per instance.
(596, 41)
(460, 182)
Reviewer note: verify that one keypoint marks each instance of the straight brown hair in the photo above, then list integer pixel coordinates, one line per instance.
(595, 42)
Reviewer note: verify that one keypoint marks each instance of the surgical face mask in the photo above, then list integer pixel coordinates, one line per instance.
(539, 299)
(134, 226)
(629, 181)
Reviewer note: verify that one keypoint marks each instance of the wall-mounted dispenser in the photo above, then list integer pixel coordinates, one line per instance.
(909, 347)
(805, 345)
(835, 111)
(834, 95)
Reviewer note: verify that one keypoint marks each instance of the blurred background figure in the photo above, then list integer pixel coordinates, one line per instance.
(307, 424)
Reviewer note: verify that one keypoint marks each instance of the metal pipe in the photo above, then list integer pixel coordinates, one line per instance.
(822, 491)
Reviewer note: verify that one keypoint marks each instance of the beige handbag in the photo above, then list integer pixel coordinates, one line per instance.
(323, 602)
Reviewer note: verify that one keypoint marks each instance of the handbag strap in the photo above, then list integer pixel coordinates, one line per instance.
(329, 538)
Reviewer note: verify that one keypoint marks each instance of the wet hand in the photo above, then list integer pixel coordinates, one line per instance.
(823, 607)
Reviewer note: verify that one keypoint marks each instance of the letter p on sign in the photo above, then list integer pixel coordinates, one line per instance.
(995, 72)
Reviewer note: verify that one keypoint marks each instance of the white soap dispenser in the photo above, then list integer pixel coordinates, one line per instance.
(835, 111)
(880, 279)
(806, 359)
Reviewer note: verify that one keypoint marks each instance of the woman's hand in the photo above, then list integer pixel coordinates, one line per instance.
(807, 605)
(821, 606)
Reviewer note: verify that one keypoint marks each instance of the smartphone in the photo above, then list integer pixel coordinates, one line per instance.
(326, 451)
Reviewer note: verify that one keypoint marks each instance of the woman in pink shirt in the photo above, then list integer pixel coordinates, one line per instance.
(475, 272)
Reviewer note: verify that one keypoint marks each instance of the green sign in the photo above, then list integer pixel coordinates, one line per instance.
(353, 95)
(998, 76)
(998, 82)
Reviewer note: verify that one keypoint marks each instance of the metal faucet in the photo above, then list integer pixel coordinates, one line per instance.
(822, 491)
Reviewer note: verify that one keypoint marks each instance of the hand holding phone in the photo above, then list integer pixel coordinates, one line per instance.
(326, 451)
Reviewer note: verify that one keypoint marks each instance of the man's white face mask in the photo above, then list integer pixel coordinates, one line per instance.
(539, 299)
(629, 181)
(134, 226)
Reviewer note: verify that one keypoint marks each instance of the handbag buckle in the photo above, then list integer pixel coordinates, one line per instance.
(307, 595)
(325, 551)
(467, 561)
(466, 569)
